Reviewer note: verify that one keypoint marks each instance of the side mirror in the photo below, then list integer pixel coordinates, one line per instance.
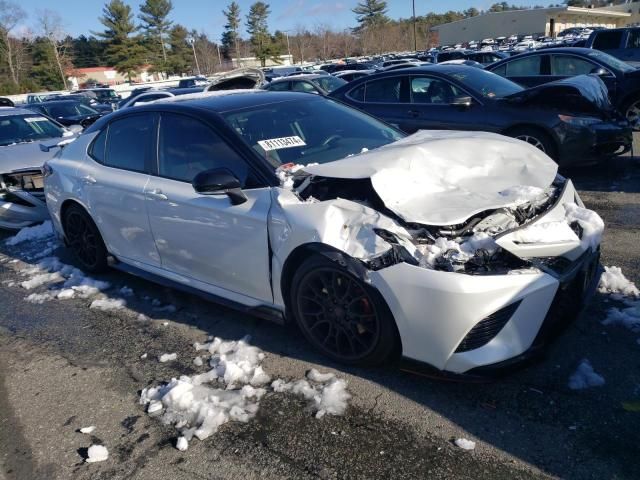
(462, 101)
(217, 181)
(600, 72)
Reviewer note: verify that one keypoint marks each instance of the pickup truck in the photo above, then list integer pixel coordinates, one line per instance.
(622, 43)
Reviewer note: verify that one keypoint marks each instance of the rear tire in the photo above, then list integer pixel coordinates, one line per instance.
(535, 137)
(631, 111)
(340, 315)
(84, 239)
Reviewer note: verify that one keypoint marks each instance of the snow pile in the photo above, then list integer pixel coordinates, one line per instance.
(167, 357)
(459, 250)
(520, 194)
(465, 444)
(585, 377)
(561, 231)
(326, 393)
(614, 281)
(88, 430)
(591, 223)
(107, 304)
(285, 174)
(231, 391)
(37, 232)
(50, 270)
(197, 408)
(97, 453)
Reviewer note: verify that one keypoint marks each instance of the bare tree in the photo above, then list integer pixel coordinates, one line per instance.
(302, 40)
(10, 16)
(50, 26)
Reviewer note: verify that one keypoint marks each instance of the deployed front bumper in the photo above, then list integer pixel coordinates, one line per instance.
(19, 209)
(594, 143)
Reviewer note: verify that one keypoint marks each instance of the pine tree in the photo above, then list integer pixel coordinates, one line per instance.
(371, 13)
(231, 35)
(125, 52)
(153, 14)
(262, 44)
(179, 59)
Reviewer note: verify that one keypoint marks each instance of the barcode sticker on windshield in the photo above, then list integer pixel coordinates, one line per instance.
(35, 119)
(283, 142)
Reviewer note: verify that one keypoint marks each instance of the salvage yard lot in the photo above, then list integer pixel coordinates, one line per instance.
(64, 366)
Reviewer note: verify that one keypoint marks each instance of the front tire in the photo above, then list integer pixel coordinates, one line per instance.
(84, 239)
(340, 315)
(631, 112)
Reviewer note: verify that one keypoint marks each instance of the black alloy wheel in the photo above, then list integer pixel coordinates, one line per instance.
(85, 240)
(340, 315)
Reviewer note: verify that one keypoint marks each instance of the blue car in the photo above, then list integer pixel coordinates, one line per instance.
(570, 120)
(539, 67)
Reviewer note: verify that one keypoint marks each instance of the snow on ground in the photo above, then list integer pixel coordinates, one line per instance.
(585, 377)
(97, 453)
(614, 281)
(37, 232)
(620, 287)
(167, 357)
(108, 304)
(88, 430)
(326, 394)
(465, 444)
(231, 391)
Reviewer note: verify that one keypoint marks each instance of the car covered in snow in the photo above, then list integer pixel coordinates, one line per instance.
(457, 250)
(22, 132)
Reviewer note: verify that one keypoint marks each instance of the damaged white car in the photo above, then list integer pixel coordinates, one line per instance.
(461, 251)
(21, 158)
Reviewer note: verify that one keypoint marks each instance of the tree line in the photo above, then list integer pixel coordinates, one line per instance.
(43, 57)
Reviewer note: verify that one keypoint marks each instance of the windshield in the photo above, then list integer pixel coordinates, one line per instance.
(26, 128)
(611, 61)
(70, 110)
(487, 84)
(329, 83)
(314, 130)
(105, 94)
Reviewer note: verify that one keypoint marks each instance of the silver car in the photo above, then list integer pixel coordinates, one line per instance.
(22, 132)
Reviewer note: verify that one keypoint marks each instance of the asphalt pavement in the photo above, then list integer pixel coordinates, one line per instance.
(64, 366)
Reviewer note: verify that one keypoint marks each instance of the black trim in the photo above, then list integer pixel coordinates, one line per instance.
(263, 311)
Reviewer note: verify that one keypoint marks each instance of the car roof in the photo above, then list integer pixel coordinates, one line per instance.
(11, 111)
(59, 102)
(302, 76)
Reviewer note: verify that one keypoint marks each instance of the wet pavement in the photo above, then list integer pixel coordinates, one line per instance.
(64, 366)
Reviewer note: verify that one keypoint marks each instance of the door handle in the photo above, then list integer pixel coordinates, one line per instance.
(157, 194)
(89, 180)
(413, 113)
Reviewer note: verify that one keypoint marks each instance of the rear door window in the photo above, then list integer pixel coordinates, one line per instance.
(130, 142)
(432, 91)
(387, 90)
(279, 86)
(633, 40)
(303, 87)
(607, 40)
(524, 67)
(569, 66)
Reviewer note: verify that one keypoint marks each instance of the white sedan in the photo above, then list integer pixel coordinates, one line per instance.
(461, 251)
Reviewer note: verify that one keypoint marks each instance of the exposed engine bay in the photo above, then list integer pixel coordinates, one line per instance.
(465, 248)
(28, 181)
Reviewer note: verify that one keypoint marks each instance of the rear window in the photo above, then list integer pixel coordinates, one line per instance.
(607, 40)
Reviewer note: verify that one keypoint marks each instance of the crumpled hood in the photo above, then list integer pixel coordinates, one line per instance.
(444, 177)
(590, 87)
(24, 155)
